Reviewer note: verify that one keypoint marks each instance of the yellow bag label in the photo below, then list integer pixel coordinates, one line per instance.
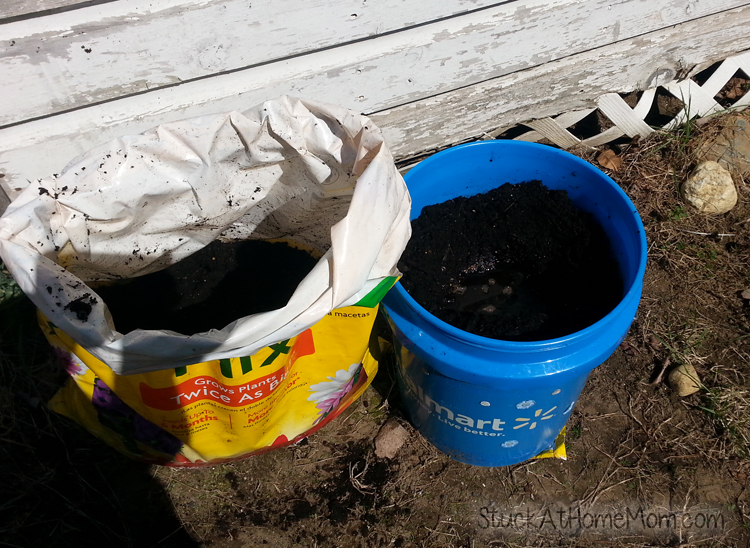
(225, 409)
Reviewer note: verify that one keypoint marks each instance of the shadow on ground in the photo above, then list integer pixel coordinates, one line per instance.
(60, 485)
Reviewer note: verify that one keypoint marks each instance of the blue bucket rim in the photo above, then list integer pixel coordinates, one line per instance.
(546, 344)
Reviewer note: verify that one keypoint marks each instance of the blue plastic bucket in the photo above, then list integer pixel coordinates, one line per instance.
(490, 402)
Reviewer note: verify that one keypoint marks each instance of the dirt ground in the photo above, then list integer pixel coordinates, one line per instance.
(644, 466)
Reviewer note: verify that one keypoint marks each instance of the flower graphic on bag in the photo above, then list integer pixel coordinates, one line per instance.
(328, 394)
(70, 362)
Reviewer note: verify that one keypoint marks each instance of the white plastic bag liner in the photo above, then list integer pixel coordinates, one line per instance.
(315, 173)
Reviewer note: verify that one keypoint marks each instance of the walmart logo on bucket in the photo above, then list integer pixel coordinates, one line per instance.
(493, 426)
(481, 427)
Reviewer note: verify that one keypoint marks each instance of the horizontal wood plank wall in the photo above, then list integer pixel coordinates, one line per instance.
(90, 55)
(13, 9)
(570, 84)
(432, 83)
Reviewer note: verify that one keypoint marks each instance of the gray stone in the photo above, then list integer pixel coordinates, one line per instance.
(731, 146)
(710, 189)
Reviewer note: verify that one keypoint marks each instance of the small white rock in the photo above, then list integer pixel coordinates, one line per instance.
(710, 189)
(390, 438)
(684, 380)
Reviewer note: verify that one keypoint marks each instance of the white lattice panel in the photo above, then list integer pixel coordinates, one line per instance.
(698, 101)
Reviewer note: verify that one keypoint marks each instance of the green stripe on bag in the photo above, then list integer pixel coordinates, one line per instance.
(373, 298)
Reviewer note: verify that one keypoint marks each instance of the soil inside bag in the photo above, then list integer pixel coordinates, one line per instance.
(520, 262)
(211, 288)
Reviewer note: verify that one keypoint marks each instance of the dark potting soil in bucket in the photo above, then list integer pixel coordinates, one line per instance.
(518, 263)
(211, 288)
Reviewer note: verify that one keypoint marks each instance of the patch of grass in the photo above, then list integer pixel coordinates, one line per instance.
(684, 343)
(729, 409)
(678, 213)
(706, 253)
(26, 382)
(9, 289)
(678, 140)
(684, 134)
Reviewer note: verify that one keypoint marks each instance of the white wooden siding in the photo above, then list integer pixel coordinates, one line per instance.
(13, 9)
(569, 84)
(91, 55)
(430, 77)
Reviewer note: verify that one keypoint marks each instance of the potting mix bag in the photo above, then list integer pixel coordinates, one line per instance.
(289, 169)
